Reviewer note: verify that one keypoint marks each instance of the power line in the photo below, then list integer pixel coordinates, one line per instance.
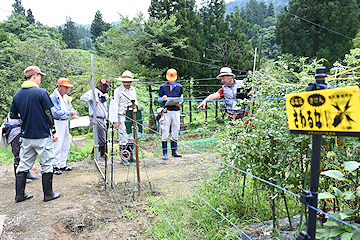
(319, 25)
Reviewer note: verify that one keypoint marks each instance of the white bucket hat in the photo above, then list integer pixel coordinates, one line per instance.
(225, 71)
(127, 77)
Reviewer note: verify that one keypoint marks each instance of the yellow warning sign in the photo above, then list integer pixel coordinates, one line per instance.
(326, 112)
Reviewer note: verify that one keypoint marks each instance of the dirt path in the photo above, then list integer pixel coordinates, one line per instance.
(86, 209)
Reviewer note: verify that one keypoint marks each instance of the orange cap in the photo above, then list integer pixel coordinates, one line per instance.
(171, 74)
(64, 82)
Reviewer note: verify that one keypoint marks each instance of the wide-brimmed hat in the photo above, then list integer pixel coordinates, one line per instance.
(127, 77)
(64, 82)
(225, 71)
(29, 71)
(171, 74)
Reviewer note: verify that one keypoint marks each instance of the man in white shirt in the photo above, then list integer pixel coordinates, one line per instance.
(123, 97)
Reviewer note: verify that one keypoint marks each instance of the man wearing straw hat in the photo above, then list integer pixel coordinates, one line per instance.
(123, 97)
(168, 90)
(61, 111)
(231, 90)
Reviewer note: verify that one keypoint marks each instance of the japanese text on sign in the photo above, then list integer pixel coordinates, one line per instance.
(326, 112)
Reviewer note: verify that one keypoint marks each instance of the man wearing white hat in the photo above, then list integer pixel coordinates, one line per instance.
(123, 97)
(232, 89)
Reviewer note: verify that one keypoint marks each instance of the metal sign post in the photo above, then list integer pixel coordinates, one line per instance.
(318, 112)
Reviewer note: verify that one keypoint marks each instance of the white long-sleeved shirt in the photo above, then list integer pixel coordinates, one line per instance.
(122, 100)
(100, 108)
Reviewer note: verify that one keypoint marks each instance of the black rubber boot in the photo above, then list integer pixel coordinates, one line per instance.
(47, 187)
(130, 148)
(20, 187)
(174, 149)
(15, 167)
(124, 156)
(164, 147)
(102, 151)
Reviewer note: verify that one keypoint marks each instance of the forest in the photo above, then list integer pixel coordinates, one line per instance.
(273, 46)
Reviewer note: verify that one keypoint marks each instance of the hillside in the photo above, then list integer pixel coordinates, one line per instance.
(278, 4)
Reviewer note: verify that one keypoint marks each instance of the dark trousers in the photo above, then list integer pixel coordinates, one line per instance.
(15, 148)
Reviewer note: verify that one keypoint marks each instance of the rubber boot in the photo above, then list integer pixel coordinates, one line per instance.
(20, 187)
(164, 147)
(174, 149)
(130, 148)
(47, 187)
(15, 167)
(30, 176)
(102, 151)
(124, 161)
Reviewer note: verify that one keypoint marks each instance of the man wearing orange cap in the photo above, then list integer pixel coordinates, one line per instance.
(61, 111)
(170, 89)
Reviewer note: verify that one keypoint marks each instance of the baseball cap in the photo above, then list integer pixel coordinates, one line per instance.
(29, 71)
(225, 71)
(103, 81)
(64, 82)
(171, 74)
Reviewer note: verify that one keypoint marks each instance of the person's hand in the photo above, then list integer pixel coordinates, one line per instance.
(73, 113)
(75, 117)
(202, 105)
(117, 125)
(178, 104)
(54, 137)
(97, 102)
(164, 97)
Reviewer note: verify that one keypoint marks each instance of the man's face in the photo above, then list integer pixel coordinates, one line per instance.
(63, 90)
(227, 80)
(127, 84)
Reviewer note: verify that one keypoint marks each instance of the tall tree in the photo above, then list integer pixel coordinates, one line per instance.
(187, 19)
(18, 8)
(98, 27)
(271, 10)
(70, 35)
(302, 38)
(30, 17)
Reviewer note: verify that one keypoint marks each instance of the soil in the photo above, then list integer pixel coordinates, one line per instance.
(88, 210)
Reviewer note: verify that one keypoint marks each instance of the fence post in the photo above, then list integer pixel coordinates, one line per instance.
(134, 110)
(311, 197)
(190, 110)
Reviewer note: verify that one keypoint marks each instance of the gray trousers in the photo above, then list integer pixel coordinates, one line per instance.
(31, 148)
(171, 120)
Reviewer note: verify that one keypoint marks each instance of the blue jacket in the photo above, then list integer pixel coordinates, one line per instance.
(176, 92)
(56, 109)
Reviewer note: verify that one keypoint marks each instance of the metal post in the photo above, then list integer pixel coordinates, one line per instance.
(190, 109)
(95, 127)
(136, 145)
(315, 165)
(112, 143)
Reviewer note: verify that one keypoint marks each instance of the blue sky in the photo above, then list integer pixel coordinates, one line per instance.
(54, 13)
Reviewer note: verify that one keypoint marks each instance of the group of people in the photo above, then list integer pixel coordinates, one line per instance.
(40, 121)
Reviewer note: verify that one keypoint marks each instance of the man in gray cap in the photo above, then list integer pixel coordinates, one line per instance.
(231, 90)
(33, 105)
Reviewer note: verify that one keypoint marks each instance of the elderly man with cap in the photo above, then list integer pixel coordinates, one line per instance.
(171, 113)
(61, 111)
(101, 111)
(232, 89)
(123, 97)
(33, 104)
